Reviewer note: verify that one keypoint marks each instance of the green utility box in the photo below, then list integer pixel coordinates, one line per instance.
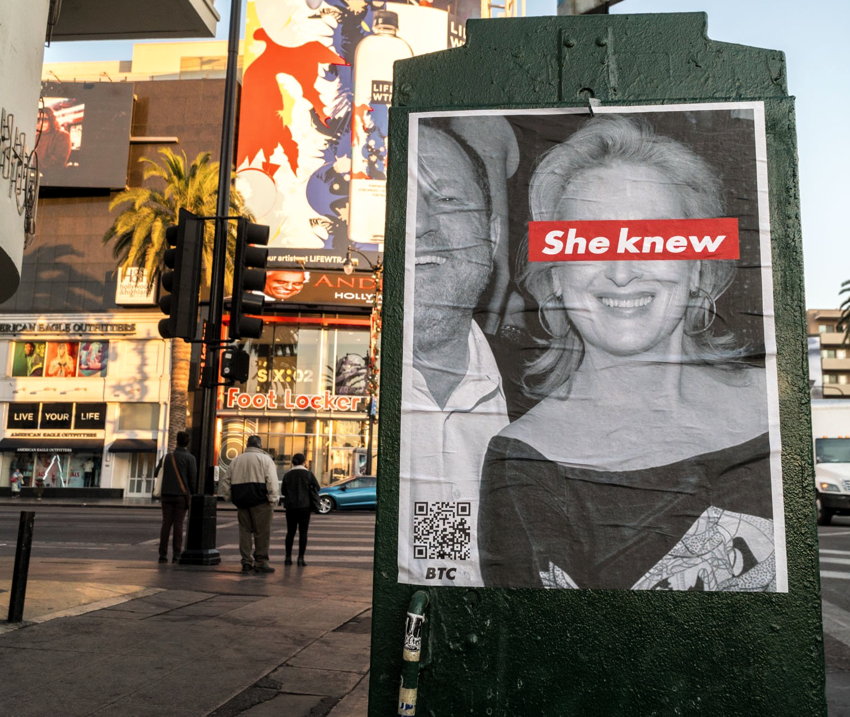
(595, 433)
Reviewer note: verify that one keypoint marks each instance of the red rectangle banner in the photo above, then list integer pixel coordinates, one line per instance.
(634, 240)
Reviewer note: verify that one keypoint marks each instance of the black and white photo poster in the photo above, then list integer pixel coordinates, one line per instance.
(589, 394)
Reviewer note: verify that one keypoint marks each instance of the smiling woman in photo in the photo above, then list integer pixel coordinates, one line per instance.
(645, 465)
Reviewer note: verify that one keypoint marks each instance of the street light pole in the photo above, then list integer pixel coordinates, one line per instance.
(201, 540)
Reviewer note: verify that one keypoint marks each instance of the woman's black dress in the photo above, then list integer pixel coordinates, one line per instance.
(703, 523)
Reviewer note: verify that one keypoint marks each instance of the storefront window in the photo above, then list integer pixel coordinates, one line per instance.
(59, 469)
(84, 470)
(52, 468)
(309, 360)
(344, 438)
(348, 374)
(333, 447)
(299, 363)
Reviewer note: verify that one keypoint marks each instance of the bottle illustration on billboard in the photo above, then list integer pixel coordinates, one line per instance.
(373, 86)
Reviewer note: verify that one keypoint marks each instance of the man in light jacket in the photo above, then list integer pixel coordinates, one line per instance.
(252, 485)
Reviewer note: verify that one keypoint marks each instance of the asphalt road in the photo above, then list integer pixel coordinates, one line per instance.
(340, 538)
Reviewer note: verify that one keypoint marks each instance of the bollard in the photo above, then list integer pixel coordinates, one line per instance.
(22, 564)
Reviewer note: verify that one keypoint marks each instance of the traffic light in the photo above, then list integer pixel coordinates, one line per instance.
(249, 274)
(234, 365)
(181, 281)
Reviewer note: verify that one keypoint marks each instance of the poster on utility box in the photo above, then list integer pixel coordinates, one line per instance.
(589, 392)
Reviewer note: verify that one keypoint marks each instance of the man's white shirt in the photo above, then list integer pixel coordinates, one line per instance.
(442, 450)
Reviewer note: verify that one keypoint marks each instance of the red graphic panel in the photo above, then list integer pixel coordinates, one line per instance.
(634, 240)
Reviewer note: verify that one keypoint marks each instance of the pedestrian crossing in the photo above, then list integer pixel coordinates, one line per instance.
(830, 559)
(334, 540)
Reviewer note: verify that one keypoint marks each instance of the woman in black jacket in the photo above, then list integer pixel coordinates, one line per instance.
(299, 486)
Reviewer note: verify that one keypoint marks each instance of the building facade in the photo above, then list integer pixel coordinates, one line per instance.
(23, 35)
(83, 402)
(85, 394)
(308, 388)
(834, 353)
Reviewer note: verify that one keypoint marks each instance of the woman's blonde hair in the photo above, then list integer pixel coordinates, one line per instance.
(601, 142)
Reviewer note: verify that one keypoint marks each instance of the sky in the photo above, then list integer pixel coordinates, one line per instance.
(817, 54)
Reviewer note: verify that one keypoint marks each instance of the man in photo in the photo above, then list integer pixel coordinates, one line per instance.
(283, 284)
(34, 358)
(54, 142)
(454, 395)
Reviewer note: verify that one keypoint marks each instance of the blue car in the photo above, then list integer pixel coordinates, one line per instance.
(357, 492)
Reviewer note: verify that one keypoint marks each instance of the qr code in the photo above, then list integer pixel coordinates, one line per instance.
(441, 530)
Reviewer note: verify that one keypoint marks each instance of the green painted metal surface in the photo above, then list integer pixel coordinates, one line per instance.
(542, 652)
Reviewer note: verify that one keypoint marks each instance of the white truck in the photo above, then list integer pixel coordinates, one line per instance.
(831, 434)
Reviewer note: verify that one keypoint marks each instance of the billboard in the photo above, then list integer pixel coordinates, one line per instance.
(312, 141)
(612, 421)
(294, 285)
(83, 134)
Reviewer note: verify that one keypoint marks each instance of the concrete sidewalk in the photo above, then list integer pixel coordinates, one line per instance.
(114, 638)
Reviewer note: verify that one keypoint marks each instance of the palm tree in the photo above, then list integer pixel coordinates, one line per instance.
(844, 322)
(137, 235)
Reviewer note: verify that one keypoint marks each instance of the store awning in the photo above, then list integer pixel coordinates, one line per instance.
(133, 445)
(50, 445)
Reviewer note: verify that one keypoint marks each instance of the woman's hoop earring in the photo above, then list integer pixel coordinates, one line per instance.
(703, 311)
(552, 303)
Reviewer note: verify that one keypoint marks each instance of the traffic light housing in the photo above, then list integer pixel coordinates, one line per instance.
(181, 277)
(249, 274)
(235, 363)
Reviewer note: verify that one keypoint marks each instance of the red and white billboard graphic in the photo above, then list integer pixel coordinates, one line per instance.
(634, 240)
(312, 141)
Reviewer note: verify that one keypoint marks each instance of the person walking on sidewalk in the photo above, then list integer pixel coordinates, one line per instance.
(177, 476)
(251, 483)
(16, 481)
(299, 488)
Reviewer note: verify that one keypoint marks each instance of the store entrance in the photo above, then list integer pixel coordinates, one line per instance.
(140, 479)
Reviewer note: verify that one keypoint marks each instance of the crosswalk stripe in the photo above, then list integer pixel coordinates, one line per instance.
(836, 621)
(834, 574)
(333, 541)
(319, 531)
(837, 561)
(317, 549)
(823, 551)
(317, 559)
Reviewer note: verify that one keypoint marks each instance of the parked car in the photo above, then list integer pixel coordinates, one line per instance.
(356, 492)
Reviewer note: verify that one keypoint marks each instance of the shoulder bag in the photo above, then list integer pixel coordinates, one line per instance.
(315, 501)
(183, 488)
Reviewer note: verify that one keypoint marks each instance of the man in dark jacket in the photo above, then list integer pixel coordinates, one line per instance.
(299, 485)
(177, 477)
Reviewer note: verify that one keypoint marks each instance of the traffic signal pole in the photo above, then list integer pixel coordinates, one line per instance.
(201, 539)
